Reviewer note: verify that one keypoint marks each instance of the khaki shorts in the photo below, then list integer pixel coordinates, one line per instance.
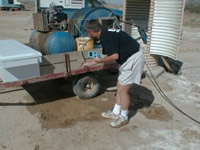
(131, 71)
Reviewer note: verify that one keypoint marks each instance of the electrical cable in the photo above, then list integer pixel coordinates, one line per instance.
(160, 91)
(155, 83)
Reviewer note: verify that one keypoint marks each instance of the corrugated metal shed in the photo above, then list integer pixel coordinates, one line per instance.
(137, 12)
(166, 26)
(162, 19)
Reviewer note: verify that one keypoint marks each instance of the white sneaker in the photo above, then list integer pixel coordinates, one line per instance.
(109, 115)
(120, 121)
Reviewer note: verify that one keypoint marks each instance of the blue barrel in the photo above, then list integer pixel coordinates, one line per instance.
(59, 42)
(78, 20)
(52, 42)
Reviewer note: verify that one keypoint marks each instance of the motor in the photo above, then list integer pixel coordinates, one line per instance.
(57, 19)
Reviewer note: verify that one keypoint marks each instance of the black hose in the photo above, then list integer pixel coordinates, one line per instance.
(155, 83)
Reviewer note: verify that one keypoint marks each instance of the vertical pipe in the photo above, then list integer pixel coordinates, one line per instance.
(124, 14)
(37, 5)
(181, 25)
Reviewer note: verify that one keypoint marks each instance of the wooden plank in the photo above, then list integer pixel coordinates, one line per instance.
(52, 69)
(56, 63)
(60, 58)
(52, 59)
(166, 63)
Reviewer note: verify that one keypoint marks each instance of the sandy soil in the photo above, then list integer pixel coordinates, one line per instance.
(48, 116)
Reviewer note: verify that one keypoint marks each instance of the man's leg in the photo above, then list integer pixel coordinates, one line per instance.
(122, 94)
(115, 111)
(124, 97)
(117, 106)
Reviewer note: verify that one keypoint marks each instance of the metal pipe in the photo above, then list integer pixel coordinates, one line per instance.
(37, 5)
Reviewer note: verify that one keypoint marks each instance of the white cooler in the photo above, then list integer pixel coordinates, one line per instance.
(18, 61)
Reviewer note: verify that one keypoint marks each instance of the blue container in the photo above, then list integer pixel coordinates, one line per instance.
(78, 20)
(52, 42)
(59, 42)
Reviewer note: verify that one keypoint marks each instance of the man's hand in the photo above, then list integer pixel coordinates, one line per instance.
(97, 59)
(87, 64)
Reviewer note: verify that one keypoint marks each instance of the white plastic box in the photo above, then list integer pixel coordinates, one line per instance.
(18, 61)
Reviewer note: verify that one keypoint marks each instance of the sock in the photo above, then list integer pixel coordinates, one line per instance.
(124, 113)
(116, 109)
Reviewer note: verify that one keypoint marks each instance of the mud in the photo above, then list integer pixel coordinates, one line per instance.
(128, 129)
(195, 89)
(67, 112)
(166, 87)
(191, 133)
(157, 112)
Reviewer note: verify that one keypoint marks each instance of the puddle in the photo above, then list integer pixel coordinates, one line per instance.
(195, 89)
(191, 133)
(166, 87)
(67, 112)
(156, 112)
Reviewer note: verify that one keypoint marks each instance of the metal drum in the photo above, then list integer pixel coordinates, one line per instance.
(52, 42)
(59, 42)
(78, 20)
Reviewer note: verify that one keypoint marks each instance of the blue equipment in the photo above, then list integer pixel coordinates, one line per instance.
(52, 42)
(92, 54)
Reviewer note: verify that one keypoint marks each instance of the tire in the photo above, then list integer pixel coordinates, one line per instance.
(86, 87)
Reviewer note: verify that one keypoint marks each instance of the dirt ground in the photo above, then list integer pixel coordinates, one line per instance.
(48, 116)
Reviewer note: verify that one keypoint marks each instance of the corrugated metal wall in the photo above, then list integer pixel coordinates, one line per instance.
(164, 27)
(162, 19)
(136, 11)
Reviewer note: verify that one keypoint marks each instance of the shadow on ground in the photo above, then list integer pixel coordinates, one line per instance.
(141, 97)
(54, 90)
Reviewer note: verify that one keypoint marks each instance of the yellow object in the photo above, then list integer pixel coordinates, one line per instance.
(84, 43)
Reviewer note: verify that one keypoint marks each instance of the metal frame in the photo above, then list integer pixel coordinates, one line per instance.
(68, 73)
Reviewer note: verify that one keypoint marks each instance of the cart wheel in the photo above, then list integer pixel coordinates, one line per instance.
(86, 86)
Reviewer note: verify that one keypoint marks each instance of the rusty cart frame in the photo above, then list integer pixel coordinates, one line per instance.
(66, 65)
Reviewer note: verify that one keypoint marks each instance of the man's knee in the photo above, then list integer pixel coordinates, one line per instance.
(123, 89)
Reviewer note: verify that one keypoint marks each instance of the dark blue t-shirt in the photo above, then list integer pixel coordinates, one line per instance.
(117, 41)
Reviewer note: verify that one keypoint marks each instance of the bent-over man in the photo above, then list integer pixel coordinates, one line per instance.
(120, 47)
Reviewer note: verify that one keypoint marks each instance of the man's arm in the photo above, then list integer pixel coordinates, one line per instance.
(105, 59)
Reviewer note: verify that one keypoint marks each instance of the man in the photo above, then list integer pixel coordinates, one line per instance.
(120, 47)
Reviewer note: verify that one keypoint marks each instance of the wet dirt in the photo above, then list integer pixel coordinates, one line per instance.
(166, 87)
(156, 112)
(195, 89)
(67, 112)
(128, 129)
(191, 133)
(57, 107)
